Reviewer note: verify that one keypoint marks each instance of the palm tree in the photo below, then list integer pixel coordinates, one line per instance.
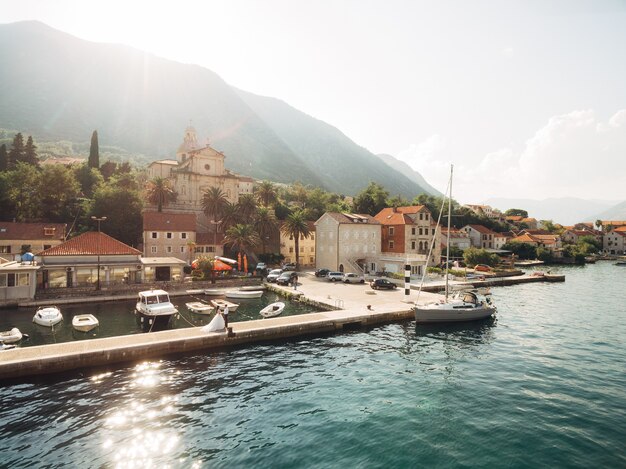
(266, 193)
(230, 215)
(295, 225)
(213, 202)
(160, 192)
(265, 223)
(247, 206)
(241, 237)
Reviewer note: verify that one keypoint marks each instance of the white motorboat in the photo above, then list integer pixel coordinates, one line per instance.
(243, 294)
(10, 337)
(48, 316)
(221, 304)
(197, 291)
(464, 306)
(154, 309)
(273, 309)
(253, 288)
(213, 292)
(199, 307)
(85, 322)
(7, 346)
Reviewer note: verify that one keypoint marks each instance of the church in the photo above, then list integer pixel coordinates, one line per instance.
(196, 169)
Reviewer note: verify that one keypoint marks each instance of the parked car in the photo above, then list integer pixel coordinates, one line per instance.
(286, 278)
(289, 266)
(261, 268)
(335, 276)
(273, 275)
(353, 278)
(382, 284)
(321, 272)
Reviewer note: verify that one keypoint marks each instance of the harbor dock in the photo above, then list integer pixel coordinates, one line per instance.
(352, 306)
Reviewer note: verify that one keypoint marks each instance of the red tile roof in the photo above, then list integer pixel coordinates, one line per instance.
(399, 215)
(163, 221)
(26, 231)
(91, 243)
(353, 218)
(483, 229)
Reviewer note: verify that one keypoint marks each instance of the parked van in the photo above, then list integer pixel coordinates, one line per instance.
(334, 276)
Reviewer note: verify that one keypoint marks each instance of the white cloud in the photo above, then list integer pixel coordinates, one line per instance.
(573, 155)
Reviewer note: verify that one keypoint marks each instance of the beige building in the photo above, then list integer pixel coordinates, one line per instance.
(169, 235)
(347, 242)
(35, 236)
(196, 169)
(406, 237)
(18, 281)
(306, 246)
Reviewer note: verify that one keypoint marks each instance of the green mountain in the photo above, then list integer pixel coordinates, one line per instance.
(409, 172)
(57, 87)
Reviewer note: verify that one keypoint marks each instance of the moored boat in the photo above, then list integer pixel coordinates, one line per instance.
(48, 316)
(85, 322)
(213, 292)
(243, 294)
(221, 304)
(273, 309)
(154, 310)
(199, 307)
(197, 291)
(464, 306)
(253, 288)
(10, 337)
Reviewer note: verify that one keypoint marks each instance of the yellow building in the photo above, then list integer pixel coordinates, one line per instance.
(306, 246)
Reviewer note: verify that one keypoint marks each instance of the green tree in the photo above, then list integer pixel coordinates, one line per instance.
(241, 237)
(24, 183)
(94, 152)
(108, 169)
(247, 206)
(30, 152)
(516, 212)
(58, 189)
(521, 250)
(295, 226)
(473, 256)
(599, 224)
(16, 153)
(159, 191)
(371, 200)
(88, 178)
(213, 202)
(4, 158)
(122, 207)
(7, 204)
(266, 193)
(544, 254)
(230, 216)
(265, 224)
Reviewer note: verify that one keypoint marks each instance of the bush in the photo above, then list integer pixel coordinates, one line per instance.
(473, 256)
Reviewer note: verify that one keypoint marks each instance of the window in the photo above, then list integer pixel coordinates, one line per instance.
(312, 249)
(153, 249)
(421, 216)
(154, 235)
(301, 248)
(182, 249)
(3, 280)
(5, 249)
(210, 249)
(311, 259)
(413, 231)
(49, 231)
(391, 231)
(426, 216)
(312, 236)
(168, 235)
(426, 231)
(199, 249)
(207, 167)
(168, 249)
(23, 280)
(391, 244)
(183, 236)
(290, 250)
(10, 280)
(421, 231)
(412, 244)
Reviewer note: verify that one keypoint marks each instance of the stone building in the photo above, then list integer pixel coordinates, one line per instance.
(169, 234)
(34, 237)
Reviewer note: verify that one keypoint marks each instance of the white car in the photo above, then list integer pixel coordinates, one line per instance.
(273, 275)
(334, 276)
(352, 278)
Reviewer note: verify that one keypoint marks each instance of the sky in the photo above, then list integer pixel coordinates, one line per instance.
(526, 98)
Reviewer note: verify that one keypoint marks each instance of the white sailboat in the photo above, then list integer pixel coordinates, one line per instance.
(464, 305)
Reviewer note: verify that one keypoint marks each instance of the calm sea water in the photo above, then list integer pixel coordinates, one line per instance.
(542, 385)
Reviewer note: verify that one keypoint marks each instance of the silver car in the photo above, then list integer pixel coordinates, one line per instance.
(273, 275)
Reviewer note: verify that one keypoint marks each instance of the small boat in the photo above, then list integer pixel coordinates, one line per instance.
(197, 291)
(48, 316)
(464, 306)
(213, 292)
(253, 288)
(221, 304)
(273, 309)
(7, 346)
(243, 294)
(199, 307)
(154, 310)
(85, 322)
(10, 337)
(622, 263)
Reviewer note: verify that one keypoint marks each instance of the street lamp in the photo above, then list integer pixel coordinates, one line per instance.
(98, 219)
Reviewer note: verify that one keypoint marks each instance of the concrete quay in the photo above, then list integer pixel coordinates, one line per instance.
(352, 306)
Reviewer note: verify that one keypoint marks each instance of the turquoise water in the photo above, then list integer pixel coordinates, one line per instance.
(542, 385)
(118, 318)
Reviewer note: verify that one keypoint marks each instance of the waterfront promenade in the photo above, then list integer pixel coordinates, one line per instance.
(351, 305)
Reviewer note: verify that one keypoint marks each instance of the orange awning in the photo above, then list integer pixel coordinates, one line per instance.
(219, 265)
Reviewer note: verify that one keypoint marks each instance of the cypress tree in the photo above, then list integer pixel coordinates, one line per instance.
(4, 158)
(16, 153)
(30, 152)
(94, 151)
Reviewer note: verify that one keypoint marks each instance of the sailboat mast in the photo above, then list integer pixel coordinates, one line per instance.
(448, 234)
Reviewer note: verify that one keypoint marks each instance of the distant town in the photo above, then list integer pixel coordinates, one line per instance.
(76, 223)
